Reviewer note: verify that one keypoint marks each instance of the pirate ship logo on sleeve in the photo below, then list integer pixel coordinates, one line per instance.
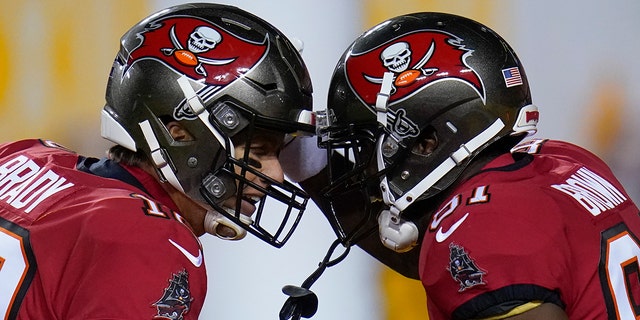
(463, 269)
(199, 49)
(176, 300)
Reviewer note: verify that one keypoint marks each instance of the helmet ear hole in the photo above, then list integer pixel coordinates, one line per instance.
(426, 143)
(178, 132)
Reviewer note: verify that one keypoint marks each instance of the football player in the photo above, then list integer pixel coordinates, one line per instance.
(426, 123)
(199, 102)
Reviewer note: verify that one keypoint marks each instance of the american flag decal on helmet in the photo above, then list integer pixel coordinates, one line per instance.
(512, 77)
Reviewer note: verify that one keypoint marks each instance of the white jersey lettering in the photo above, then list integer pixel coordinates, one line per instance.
(24, 183)
(592, 191)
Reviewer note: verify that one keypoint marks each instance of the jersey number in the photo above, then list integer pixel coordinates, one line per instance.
(17, 267)
(620, 273)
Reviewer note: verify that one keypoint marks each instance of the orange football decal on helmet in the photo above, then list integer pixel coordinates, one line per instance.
(186, 57)
(406, 78)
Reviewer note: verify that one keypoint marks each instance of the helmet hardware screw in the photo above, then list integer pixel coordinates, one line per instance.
(230, 119)
(192, 162)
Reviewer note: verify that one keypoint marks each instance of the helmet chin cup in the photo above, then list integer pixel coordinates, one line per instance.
(213, 220)
(396, 233)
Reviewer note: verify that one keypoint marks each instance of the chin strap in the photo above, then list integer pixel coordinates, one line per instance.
(382, 98)
(159, 156)
(395, 232)
(398, 234)
(454, 159)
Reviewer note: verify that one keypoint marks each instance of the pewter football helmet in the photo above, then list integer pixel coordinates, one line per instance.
(221, 72)
(411, 76)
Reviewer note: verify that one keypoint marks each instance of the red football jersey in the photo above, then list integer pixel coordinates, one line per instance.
(75, 245)
(549, 223)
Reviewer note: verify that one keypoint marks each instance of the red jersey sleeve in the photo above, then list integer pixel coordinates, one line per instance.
(128, 258)
(487, 246)
(538, 229)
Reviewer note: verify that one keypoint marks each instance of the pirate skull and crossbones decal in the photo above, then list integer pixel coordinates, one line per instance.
(397, 58)
(201, 40)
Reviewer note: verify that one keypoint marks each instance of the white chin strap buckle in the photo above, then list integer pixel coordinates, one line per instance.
(223, 228)
(396, 233)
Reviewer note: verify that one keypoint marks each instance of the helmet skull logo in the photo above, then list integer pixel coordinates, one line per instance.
(203, 39)
(396, 57)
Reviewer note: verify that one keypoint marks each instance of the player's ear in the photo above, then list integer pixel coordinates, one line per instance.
(178, 132)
